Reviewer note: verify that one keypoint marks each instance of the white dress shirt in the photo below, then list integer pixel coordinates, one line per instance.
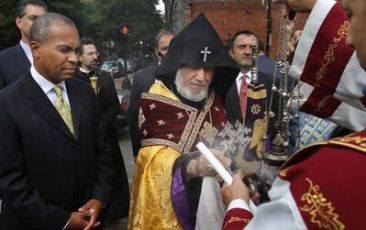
(47, 86)
(27, 51)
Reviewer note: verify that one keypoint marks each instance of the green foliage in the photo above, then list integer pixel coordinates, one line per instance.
(107, 17)
(9, 34)
(99, 19)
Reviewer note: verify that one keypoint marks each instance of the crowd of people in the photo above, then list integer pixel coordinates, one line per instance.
(61, 166)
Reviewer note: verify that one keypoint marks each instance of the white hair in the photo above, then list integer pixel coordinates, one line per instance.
(186, 92)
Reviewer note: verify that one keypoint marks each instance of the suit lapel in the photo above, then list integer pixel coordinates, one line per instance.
(21, 60)
(75, 104)
(38, 101)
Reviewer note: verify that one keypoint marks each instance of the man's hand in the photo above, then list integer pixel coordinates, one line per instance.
(237, 190)
(78, 220)
(222, 157)
(201, 167)
(91, 210)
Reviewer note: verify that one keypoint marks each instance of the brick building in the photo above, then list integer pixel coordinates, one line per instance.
(229, 16)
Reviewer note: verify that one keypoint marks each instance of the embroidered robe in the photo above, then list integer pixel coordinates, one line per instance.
(168, 129)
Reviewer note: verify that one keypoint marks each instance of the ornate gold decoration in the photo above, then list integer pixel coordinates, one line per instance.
(194, 123)
(322, 103)
(351, 141)
(208, 132)
(329, 54)
(320, 209)
(255, 109)
(236, 219)
(142, 118)
(257, 94)
(93, 83)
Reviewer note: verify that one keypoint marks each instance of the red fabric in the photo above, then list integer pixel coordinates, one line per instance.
(334, 172)
(243, 95)
(328, 56)
(172, 121)
(321, 103)
(236, 219)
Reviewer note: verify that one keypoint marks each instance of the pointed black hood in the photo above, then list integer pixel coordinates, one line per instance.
(198, 45)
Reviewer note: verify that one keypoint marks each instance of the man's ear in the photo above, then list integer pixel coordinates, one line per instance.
(18, 22)
(231, 53)
(35, 48)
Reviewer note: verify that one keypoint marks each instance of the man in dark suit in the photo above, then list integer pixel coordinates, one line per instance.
(248, 101)
(241, 51)
(142, 82)
(108, 106)
(16, 61)
(55, 168)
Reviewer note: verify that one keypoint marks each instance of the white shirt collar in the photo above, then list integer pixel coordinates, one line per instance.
(84, 70)
(27, 51)
(45, 84)
(239, 78)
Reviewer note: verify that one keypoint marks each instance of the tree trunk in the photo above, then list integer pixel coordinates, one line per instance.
(174, 14)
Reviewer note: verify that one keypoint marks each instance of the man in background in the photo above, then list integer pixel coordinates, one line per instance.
(16, 61)
(108, 106)
(249, 97)
(142, 82)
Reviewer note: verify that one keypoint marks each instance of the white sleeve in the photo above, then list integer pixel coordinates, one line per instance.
(280, 213)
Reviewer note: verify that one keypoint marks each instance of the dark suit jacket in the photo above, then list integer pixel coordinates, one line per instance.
(142, 82)
(14, 64)
(232, 101)
(107, 99)
(45, 172)
(108, 107)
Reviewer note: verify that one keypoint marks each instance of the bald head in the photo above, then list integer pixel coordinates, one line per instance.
(40, 28)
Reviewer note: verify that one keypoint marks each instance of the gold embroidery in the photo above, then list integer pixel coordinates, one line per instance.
(141, 118)
(320, 209)
(236, 219)
(322, 103)
(257, 94)
(198, 123)
(208, 132)
(354, 142)
(329, 54)
(255, 109)
(343, 31)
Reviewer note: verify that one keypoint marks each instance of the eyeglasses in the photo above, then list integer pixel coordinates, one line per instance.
(92, 53)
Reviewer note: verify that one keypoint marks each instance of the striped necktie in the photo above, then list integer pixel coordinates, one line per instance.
(63, 108)
(243, 95)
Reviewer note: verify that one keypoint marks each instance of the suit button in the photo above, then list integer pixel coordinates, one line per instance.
(82, 174)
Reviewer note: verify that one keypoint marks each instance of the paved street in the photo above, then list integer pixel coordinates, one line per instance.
(126, 148)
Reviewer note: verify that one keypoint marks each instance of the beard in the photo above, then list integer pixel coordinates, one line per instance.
(188, 93)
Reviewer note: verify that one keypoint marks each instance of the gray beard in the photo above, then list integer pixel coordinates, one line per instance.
(186, 92)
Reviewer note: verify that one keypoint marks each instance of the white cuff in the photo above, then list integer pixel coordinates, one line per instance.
(239, 203)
